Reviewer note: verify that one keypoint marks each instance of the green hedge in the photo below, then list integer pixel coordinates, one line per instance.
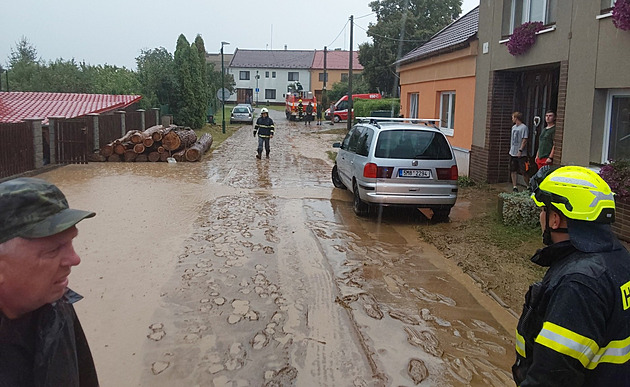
(363, 107)
(518, 209)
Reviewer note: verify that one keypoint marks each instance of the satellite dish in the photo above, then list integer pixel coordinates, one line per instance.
(222, 92)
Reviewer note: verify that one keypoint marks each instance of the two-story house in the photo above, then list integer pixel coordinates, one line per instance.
(263, 76)
(337, 64)
(578, 67)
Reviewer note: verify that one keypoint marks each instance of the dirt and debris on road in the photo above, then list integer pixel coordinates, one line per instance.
(243, 272)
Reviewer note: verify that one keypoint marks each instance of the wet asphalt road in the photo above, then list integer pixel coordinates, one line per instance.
(243, 272)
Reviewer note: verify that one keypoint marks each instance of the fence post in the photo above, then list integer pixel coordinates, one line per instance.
(123, 130)
(156, 111)
(38, 144)
(53, 136)
(97, 144)
(142, 122)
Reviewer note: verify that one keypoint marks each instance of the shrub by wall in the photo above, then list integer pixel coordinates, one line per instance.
(518, 209)
(364, 107)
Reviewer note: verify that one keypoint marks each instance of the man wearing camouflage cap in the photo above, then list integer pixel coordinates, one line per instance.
(41, 340)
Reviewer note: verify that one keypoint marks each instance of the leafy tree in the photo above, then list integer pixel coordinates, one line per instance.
(185, 95)
(108, 79)
(339, 89)
(156, 76)
(401, 26)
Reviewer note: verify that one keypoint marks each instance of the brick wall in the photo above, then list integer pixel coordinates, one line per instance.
(621, 227)
(491, 163)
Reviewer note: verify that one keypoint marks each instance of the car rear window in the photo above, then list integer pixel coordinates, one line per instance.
(412, 144)
(241, 110)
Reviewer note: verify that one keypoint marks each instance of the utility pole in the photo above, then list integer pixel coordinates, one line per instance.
(324, 96)
(350, 103)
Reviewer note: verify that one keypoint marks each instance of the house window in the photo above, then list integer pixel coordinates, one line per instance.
(447, 112)
(294, 76)
(266, 74)
(344, 77)
(413, 105)
(517, 12)
(617, 137)
(270, 93)
(273, 74)
(243, 75)
(323, 77)
(607, 5)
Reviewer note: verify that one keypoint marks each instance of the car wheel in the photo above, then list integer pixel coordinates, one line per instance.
(231, 122)
(360, 207)
(336, 179)
(441, 214)
(337, 119)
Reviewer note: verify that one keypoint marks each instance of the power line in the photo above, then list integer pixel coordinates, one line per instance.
(361, 17)
(340, 32)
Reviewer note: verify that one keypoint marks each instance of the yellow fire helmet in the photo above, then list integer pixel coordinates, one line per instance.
(577, 192)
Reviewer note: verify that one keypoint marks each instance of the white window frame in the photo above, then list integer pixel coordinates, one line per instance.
(526, 13)
(608, 122)
(293, 74)
(274, 93)
(448, 130)
(414, 105)
(244, 75)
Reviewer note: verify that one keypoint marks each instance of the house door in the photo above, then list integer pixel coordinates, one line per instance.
(537, 92)
(244, 95)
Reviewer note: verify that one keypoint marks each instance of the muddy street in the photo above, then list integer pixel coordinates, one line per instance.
(243, 272)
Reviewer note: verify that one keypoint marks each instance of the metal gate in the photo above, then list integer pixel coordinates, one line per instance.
(71, 141)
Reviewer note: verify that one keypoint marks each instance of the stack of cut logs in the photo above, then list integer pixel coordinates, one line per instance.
(157, 143)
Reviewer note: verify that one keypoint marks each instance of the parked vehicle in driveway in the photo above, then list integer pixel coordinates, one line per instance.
(241, 113)
(397, 163)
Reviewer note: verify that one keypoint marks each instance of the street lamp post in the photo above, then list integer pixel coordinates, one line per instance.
(223, 89)
(257, 78)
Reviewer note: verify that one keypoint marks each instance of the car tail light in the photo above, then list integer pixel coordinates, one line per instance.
(373, 171)
(447, 173)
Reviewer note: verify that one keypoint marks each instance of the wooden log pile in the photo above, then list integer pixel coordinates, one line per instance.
(155, 144)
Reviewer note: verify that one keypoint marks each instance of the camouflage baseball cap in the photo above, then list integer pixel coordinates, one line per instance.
(35, 208)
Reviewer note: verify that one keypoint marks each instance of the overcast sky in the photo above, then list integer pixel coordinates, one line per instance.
(114, 31)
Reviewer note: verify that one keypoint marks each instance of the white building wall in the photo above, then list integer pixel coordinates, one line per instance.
(279, 83)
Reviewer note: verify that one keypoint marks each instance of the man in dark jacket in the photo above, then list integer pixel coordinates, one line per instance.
(41, 340)
(265, 128)
(575, 326)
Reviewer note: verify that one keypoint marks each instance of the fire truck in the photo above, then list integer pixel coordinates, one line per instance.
(292, 99)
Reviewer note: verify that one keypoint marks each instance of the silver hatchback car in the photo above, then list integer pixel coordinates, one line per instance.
(397, 163)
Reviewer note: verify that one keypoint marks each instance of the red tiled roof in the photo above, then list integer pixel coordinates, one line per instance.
(336, 60)
(16, 105)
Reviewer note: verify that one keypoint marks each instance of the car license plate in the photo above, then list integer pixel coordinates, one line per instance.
(425, 173)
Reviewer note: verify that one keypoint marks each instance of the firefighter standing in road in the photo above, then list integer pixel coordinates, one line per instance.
(300, 108)
(265, 128)
(575, 326)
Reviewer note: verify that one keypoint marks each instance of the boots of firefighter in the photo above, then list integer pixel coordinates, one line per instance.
(267, 155)
(258, 155)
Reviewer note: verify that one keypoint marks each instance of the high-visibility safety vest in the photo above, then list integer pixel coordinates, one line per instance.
(575, 326)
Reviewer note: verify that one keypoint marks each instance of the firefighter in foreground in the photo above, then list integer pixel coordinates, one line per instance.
(265, 128)
(575, 326)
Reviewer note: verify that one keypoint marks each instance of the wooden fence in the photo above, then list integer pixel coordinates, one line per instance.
(17, 149)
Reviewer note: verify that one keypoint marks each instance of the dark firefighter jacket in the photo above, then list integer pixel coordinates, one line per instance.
(264, 126)
(46, 348)
(575, 326)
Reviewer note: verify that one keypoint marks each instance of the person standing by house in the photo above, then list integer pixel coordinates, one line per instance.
(264, 128)
(332, 113)
(41, 340)
(546, 147)
(574, 327)
(309, 114)
(518, 148)
(319, 113)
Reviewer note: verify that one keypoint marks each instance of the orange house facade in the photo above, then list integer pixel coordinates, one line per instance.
(437, 81)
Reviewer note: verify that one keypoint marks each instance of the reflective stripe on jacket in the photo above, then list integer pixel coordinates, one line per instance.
(265, 127)
(575, 325)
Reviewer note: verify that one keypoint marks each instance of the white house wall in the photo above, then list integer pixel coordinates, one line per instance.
(279, 83)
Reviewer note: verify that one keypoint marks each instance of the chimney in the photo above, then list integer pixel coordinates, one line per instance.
(285, 47)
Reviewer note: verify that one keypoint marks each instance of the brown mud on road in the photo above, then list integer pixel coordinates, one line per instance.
(238, 272)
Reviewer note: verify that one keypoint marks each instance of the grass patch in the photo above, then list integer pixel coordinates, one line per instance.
(332, 155)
